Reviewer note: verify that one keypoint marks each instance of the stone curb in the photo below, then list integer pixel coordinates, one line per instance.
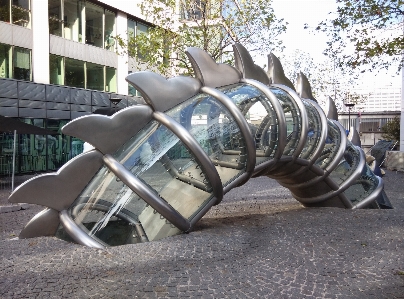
(14, 208)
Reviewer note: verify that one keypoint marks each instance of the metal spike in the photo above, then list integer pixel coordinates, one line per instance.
(303, 87)
(331, 109)
(275, 72)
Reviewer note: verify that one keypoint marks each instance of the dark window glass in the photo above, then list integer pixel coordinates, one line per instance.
(55, 17)
(22, 64)
(95, 76)
(94, 19)
(5, 58)
(56, 70)
(5, 11)
(74, 73)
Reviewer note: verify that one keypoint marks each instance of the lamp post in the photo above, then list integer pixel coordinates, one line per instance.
(350, 106)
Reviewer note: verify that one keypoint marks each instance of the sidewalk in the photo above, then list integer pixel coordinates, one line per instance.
(258, 243)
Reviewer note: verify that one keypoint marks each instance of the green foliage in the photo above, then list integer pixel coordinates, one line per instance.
(212, 25)
(372, 28)
(391, 130)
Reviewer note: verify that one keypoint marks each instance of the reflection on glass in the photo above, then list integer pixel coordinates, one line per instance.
(20, 13)
(94, 19)
(74, 72)
(56, 70)
(95, 76)
(22, 64)
(110, 79)
(332, 144)
(109, 35)
(5, 11)
(5, 61)
(348, 164)
(314, 131)
(72, 20)
(261, 117)
(363, 187)
(211, 124)
(55, 17)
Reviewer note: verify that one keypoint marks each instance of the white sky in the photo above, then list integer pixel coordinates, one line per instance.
(312, 12)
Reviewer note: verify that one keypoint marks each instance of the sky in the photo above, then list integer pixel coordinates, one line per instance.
(299, 12)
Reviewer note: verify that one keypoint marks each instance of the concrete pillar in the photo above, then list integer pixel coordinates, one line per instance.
(122, 71)
(40, 41)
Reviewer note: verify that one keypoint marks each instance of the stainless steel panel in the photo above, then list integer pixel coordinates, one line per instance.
(100, 99)
(4, 102)
(161, 93)
(83, 108)
(109, 133)
(58, 114)
(74, 114)
(45, 223)
(22, 37)
(31, 91)
(57, 94)
(58, 190)
(6, 33)
(95, 54)
(80, 96)
(57, 45)
(210, 73)
(8, 88)
(9, 111)
(32, 113)
(31, 104)
(111, 59)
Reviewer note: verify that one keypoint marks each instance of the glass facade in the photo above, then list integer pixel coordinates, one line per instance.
(17, 12)
(56, 70)
(82, 22)
(75, 74)
(15, 63)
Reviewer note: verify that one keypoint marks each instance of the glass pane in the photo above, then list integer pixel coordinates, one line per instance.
(22, 64)
(56, 70)
(72, 20)
(21, 14)
(74, 72)
(363, 187)
(260, 116)
(94, 18)
(331, 147)
(141, 29)
(110, 78)
(55, 17)
(109, 30)
(348, 164)
(95, 76)
(5, 11)
(211, 124)
(5, 59)
(314, 131)
(131, 28)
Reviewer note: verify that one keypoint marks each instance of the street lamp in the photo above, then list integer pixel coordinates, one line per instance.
(350, 106)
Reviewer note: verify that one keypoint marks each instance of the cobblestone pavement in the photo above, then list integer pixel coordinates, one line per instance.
(259, 243)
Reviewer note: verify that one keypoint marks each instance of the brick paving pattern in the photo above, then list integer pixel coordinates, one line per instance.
(258, 243)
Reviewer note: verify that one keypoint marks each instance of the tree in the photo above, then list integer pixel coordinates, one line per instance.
(212, 25)
(391, 130)
(369, 31)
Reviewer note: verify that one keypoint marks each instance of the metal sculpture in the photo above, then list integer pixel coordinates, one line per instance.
(158, 168)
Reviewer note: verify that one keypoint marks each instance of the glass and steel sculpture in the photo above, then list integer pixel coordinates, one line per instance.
(158, 168)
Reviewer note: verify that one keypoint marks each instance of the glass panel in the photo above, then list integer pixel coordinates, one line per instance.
(211, 124)
(94, 30)
(95, 76)
(22, 64)
(72, 20)
(314, 131)
(131, 28)
(331, 147)
(56, 70)
(293, 120)
(21, 14)
(5, 58)
(109, 30)
(55, 17)
(5, 11)
(110, 78)
(260, 116)
(348, 164)
(141, 29)
(74, 72)
(363, 187)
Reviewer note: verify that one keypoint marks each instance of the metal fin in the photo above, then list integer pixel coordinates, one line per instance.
(331, 109)
(45, 223)
(275, 72)
(245, 64)
(354, 137)
(58, 190)
(303, 87)
(161, 93)
(108, 133)
(210, 73)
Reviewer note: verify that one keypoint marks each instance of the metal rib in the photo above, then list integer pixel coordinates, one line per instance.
(159, 204)
(76, 233)
(196, 149)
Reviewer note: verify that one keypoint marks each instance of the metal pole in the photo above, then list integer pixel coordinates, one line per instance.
(14, 147)
(349, 119)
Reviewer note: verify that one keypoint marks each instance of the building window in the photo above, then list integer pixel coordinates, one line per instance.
(75, 75)
(5, 61)
(110, 79)
(67, 18)
(135, 29)
(16, 12)
(56, 70)
(95, 76)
